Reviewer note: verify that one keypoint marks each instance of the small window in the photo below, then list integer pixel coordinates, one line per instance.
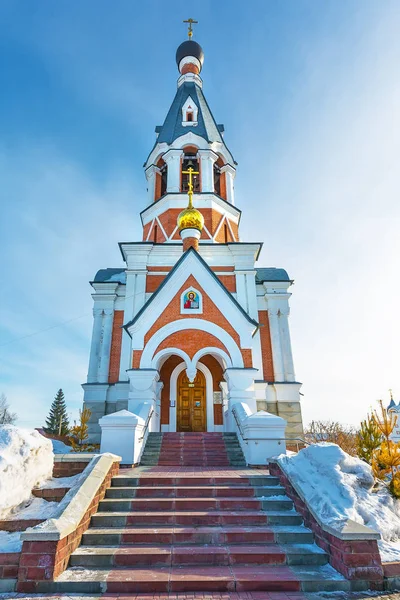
(189, 116)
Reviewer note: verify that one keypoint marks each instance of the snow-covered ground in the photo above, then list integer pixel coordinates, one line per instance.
(26, 461)
(339, 486)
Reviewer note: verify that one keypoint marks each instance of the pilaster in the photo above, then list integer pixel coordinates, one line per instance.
(94, 359)
(108, 314)
(173, 160)
(207, 160)
(230, 174)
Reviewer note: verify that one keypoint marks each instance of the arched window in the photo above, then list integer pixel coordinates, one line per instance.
(189, 113)
(219, 178)
(190, 160)
(161, 179)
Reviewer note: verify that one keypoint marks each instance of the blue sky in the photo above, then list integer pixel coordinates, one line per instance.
(309, 94)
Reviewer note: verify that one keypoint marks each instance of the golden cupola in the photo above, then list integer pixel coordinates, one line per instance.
(190, 220)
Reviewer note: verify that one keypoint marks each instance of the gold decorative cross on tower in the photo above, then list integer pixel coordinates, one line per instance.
(190, 30)
(190, 172)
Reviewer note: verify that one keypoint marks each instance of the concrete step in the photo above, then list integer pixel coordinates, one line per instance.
(141, 556)
(195, 504)
(204, 518)
(184, 535)
(206, 491)
(78, 580)
(188, 480)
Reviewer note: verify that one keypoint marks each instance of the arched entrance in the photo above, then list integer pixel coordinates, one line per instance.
(191, 403)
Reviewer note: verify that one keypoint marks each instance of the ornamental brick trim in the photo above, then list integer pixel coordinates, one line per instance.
(354, 559)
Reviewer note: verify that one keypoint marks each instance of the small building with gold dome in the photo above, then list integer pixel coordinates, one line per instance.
(191, 334)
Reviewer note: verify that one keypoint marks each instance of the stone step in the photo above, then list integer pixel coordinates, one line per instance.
(205, 518)
(194, 504)
(194, 491)
(122, 536)
(78, 580)
(141, 556)
(181, 480)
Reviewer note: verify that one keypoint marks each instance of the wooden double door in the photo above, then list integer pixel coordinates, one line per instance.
(191, 403)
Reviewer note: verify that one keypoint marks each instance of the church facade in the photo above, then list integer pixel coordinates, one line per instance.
(190, 323)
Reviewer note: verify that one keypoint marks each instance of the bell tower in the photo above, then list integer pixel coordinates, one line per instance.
(190, 138)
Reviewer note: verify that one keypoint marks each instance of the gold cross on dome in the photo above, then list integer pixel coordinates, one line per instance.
(190, 172)
(190, 30)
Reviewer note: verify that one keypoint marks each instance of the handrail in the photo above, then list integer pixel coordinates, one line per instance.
(146, 425)
(279, 440)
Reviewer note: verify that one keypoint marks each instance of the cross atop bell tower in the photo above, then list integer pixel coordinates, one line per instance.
(190, 30)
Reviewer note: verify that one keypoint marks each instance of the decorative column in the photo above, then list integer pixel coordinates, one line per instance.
(106, 345)
(173, 160)
(277, 356)
(240, 389)
(230, 173)
(142, 388)
(286, 344)
(95, 346)
(207, 160)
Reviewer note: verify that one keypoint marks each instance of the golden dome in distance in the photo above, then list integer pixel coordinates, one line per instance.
(190, 218)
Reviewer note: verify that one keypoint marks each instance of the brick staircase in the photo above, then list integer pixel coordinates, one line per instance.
(207, 530)
(193, 449)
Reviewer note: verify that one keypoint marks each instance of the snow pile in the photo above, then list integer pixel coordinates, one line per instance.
(26, 461)
(61, 448)
(338, 486)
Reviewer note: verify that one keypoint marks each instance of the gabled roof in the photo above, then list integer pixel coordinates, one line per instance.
(271, 274)
(206, 126)
(185, 256)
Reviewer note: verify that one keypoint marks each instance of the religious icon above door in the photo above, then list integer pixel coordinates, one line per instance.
(191, 301)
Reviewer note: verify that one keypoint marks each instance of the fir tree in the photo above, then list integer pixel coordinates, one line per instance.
(57, 421)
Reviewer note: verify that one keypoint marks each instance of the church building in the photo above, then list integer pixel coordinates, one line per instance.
(190, 324)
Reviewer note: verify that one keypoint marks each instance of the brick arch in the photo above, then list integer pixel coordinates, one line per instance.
(190, 341)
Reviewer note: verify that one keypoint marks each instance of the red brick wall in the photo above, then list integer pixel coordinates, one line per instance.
(67, 469)
(266, 349)
(116, 341)
(9, 563)
(190, 341)
(355, 559)
(47, 560)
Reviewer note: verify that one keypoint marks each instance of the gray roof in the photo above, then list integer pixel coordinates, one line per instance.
(206, 126)
(108, 275)
(271, 274)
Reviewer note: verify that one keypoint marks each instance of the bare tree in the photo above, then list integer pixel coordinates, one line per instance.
(344, 436)
(6, 417)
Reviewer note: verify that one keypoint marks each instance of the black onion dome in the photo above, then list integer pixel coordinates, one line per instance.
(190, 48)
